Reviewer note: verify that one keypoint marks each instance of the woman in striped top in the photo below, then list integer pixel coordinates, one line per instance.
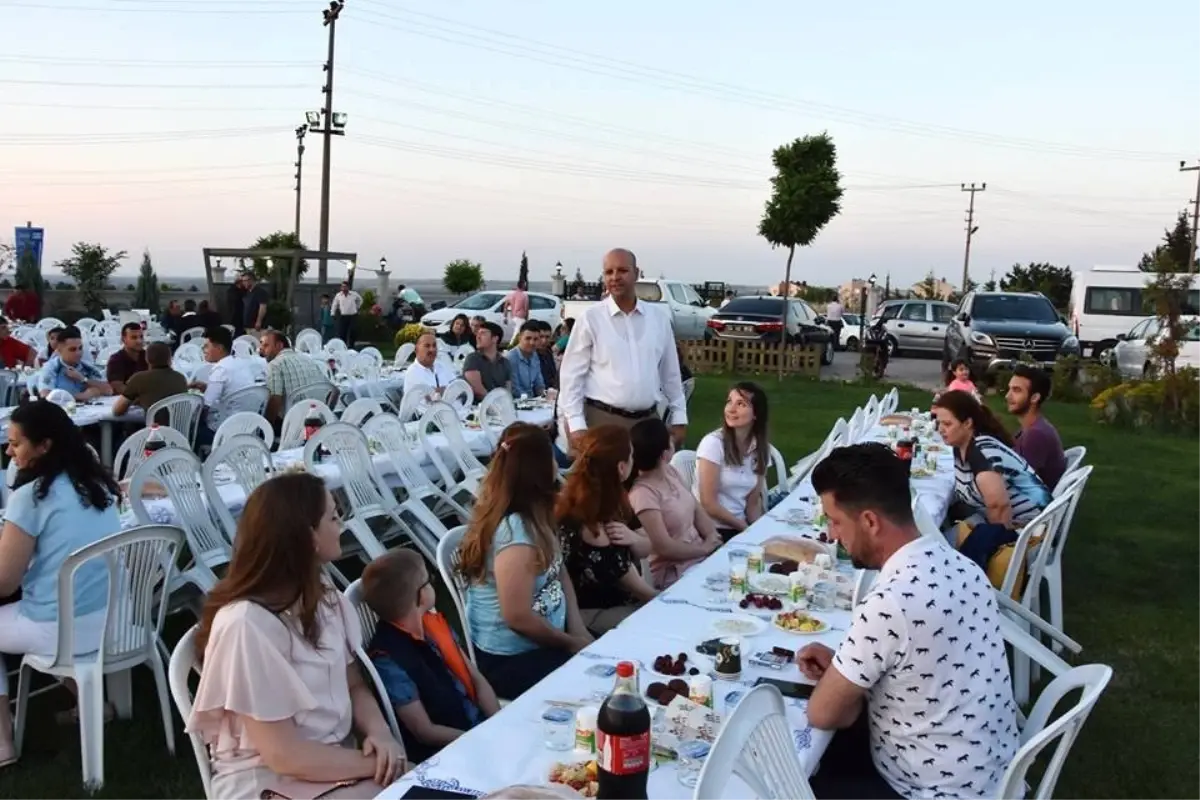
(990, 478)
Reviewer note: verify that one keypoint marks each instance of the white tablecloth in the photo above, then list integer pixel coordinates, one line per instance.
(508, 749)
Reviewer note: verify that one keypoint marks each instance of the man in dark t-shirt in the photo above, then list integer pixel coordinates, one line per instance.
(255, 304)
(486, 369)
(129, 360)
(1037, 441)
(147, 387)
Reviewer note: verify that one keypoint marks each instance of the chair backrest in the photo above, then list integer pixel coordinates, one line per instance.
(863, 582)
(1042, 530)
(291, 432)
(447, 566)
(689, 386)
(1072, 483)
(444, 419)
(190, 334)
(925, 521)
(189, 353)
(244, 423)
(363, 485)
(838, 436)
(889, 402)
(684, 462)
(1075, 456)
(248, 398)
(183, 662)
(140, 562)
(308, 341)
(496, 412)
(182, 412)
(245, 346)
(801, 469)
(8, 387)
(390, 432)
(49, 323)
(781, 470)
(323, 391)
(1037, 735)
(405, 353)
(335, 345)
(132, 451)
(361, 410)
(413, 403)
(177, 473)
(459, 395)
(373, 354)
(367, 622)
(242, 459)
(755, 743)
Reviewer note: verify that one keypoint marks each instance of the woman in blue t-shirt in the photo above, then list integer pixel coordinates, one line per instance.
(63, 499)
(521, 609)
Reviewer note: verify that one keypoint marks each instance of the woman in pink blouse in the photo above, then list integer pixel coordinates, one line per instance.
(280, 691)
(681, 533)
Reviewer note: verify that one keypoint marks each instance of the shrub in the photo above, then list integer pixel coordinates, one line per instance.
(278, 316)
(1141, 404)
(129, 287)
(368, 297)
(409, 333)
(371, 328)
(64, 286)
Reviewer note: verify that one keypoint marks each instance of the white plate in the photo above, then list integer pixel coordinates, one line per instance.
(748, 626)
(770, 583)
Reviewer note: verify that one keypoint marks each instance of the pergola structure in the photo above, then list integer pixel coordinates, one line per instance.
(284, 255)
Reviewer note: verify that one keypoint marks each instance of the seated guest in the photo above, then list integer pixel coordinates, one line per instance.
(564, 335)
(228, 375)
(51, 344)
(731, 463)
(594, 521)
(205, 317)
(13, 352)
(521, 609)
(525, 364)
(681, 534)
(130, 359)
(62, 500)
(1037, 441)
(460, 332)
(477, 321)
(158, 382)
(437, 692)
(67, 370)
(545, 353)
(287, 371)
(486, 369)
(280, 691)
(426, 370)
(911, 719)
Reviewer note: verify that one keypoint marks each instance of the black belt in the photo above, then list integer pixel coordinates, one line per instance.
(618, 412)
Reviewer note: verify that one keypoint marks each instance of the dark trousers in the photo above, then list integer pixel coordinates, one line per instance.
(512, 676)
(836, 327)
(345, 329)
(846, 769)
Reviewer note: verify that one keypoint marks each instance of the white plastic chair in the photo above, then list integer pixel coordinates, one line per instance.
(132, 451)
(183, 662)
(335, 345)
(324, 391)
(245, 346)
(414, 402)
(689, 386)
(140, 562)
(420, 489)
(367, 622)
(190, 335)
(308, 341)
(49, 323)
(854, 428)
(461, 472)
(496, 412)
(405, 354)
(447, 565)
(249, 398)
(189, 353)
(1075, 456)
(291, 432)
(889, 403)
(1073, 482)
(684, 462)
(1039, 733)
(181, 412)
(242, 459)
(361, 410)
(801, 470)
(373, 354)
(244, 423)
(459, 395)
(755, 743)
(781, 470)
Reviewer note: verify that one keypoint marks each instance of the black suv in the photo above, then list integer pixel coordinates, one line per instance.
(995, 329)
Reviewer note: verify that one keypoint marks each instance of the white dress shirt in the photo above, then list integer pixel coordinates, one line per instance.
(227, 376)
(346, 304)
(436, 377)
(623, 360)
(833, 311)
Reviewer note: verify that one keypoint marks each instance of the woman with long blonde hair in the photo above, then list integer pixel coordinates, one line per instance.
(600, 531)
(521, 610)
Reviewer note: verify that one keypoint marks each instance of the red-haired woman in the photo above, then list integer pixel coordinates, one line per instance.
(280, 691)
(594, 519)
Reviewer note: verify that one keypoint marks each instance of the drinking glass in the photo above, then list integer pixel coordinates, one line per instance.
(558, 728)
(692, 755)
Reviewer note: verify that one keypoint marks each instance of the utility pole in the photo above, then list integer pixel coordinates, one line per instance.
(328, 132)
(971, 228)
(299, 170)
(1191, 265)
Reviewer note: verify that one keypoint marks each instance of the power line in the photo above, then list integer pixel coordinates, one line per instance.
(74, 140)
(172, 109)
(161, 198)
(156, 64)
(492, 40)
(36, 184)
(154, 6)
(111, 85)
(153, 171)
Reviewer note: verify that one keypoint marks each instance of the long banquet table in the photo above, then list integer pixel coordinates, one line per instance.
(508, 749)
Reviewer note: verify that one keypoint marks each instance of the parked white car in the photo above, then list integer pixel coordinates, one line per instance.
(1133, 354)
(689, 313)
(543, 307)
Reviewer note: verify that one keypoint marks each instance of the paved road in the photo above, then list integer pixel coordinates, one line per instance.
(923, 371)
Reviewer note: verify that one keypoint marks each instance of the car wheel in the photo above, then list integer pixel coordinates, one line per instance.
(827, 353)
(893, 346)
(852, 344)
(1105, 354)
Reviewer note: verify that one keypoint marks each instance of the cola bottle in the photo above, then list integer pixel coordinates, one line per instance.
(154, 442)
(623, 739)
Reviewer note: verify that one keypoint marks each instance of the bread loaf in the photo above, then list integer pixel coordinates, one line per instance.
(793, 548)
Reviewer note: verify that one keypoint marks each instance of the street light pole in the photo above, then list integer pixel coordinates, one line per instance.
(328, 132)
(299, 169)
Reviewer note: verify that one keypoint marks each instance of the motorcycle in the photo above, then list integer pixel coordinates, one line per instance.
(875, 343)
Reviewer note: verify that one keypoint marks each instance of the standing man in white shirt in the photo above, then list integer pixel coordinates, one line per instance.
(426, 370)
(833, 318)
(227, 376)
(620, 355)
(346, 304)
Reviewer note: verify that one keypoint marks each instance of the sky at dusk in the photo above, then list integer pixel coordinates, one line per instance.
(481, 129)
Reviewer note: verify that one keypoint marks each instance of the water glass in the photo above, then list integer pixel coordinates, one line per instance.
(558, 728)
(822, 595)
(692, 755)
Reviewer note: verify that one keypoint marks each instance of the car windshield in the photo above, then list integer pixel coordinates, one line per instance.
(1021, 307)
(479, 302)
(772, 306)
(648, 291)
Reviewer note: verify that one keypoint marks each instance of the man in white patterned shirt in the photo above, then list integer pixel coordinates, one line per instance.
(924, 658)
(620, 354)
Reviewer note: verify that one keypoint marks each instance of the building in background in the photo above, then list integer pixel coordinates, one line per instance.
(850, 295)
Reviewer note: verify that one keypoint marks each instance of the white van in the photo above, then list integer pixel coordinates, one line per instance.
(1108, 301)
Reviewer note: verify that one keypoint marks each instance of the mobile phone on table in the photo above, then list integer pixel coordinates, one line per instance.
(797, 691)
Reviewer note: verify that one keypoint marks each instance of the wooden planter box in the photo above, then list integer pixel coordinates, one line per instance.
(732, 356)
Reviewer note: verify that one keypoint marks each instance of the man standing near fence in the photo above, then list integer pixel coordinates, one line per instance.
(346, 304)
(620, 355)
(833, 318)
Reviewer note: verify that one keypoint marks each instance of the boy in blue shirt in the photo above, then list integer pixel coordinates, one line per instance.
(67, 370)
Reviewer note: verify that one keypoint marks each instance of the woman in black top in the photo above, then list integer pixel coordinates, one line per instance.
(459, 333)
(601, 538)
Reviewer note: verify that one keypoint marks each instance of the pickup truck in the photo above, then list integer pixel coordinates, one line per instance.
(689, 314)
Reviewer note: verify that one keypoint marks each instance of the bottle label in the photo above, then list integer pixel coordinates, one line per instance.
(623, 755)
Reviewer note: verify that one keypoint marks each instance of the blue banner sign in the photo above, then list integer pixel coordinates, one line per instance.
(29, 239)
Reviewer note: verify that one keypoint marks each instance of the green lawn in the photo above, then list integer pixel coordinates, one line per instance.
(1131, 600)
